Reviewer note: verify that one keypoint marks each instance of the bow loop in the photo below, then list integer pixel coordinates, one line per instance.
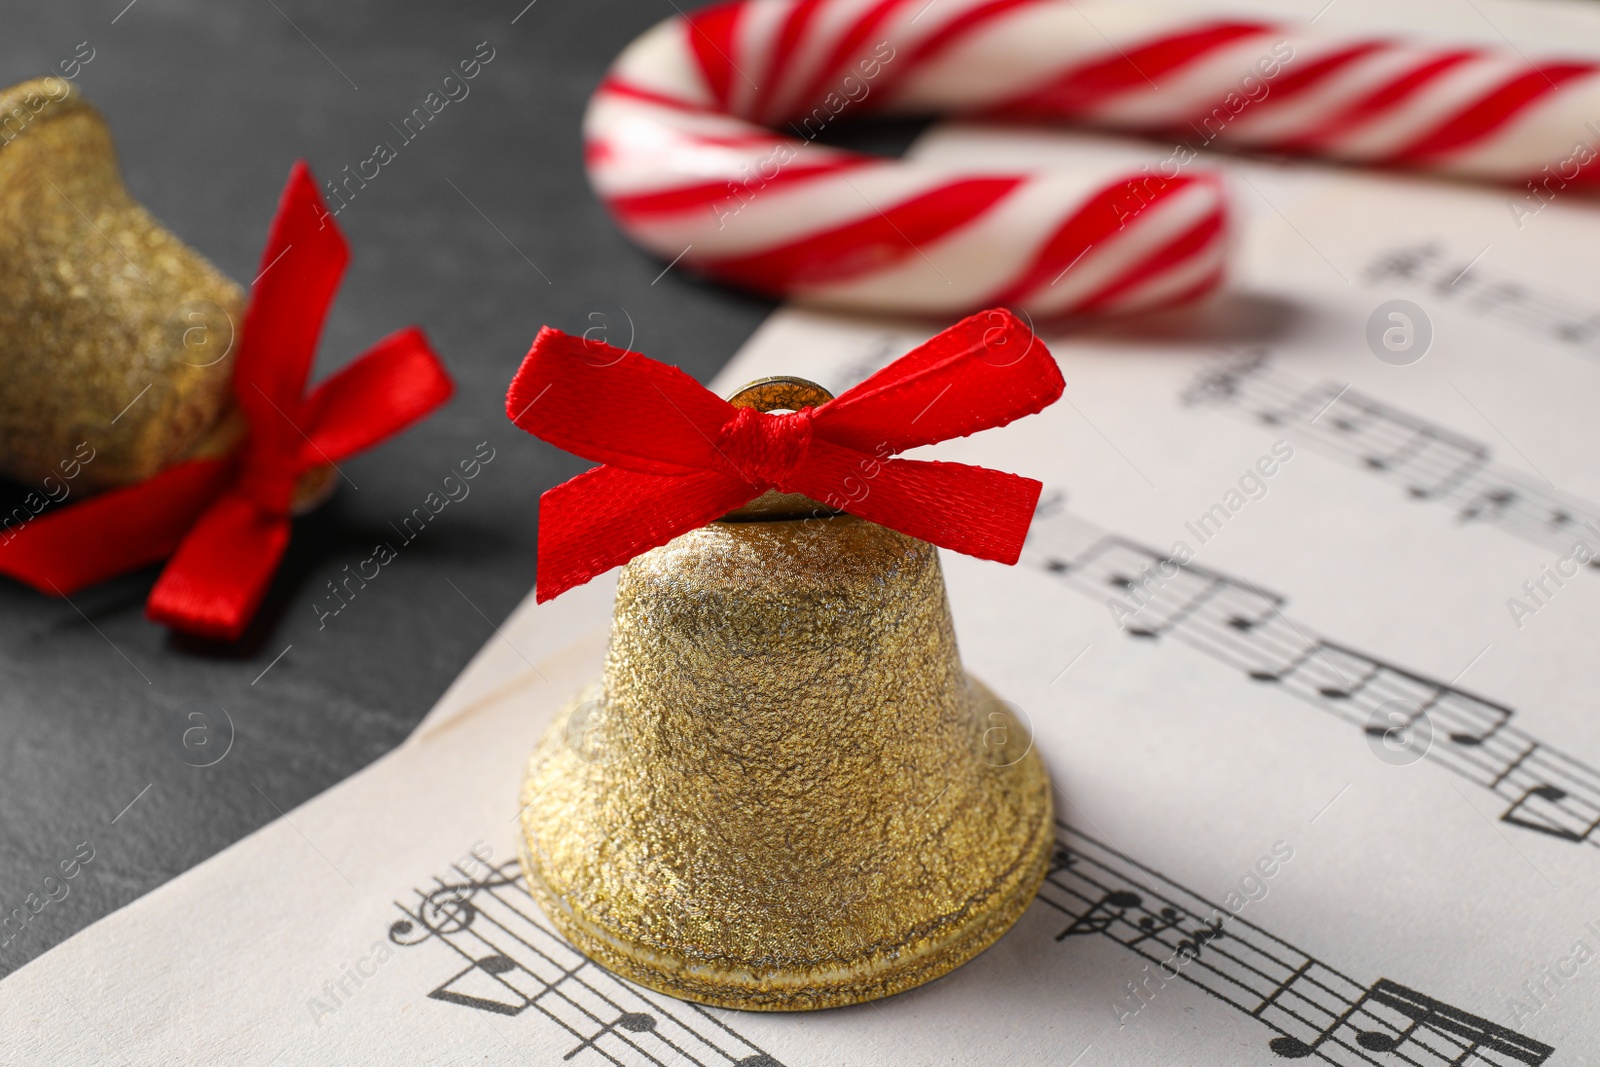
(766, 449)
(677, 457)
(615, 407)
(983, 372)
(301, 265)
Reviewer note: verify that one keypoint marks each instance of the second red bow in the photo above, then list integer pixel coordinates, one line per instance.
(224, 522)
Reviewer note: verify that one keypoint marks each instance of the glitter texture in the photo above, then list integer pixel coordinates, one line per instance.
(785, 793)
(98, 303)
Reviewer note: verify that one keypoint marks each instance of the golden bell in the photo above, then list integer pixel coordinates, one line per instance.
(784, 793)
(113, 332)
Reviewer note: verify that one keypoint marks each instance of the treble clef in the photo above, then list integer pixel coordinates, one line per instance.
(1220, 384)
(446, 910)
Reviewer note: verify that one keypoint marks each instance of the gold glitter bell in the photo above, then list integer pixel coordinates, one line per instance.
(115, 337)
(785, 793)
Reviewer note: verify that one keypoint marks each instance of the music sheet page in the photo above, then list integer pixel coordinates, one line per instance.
(1303, 630)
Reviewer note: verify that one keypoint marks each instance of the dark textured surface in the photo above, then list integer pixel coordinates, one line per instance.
(210, 103)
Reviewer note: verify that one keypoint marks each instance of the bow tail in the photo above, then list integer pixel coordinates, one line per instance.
(215, 581)
(607, 516)
(63, 550)
(382, 391)
(981, 512)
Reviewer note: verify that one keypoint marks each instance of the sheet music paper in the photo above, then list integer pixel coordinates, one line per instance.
(1323, 794)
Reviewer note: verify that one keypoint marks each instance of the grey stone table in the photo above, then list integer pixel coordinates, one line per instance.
(480, 230)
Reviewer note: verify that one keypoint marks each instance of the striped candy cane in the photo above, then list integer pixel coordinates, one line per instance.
(701, 142)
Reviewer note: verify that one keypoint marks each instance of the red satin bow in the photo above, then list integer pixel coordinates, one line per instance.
(677, 456)
(225, 522)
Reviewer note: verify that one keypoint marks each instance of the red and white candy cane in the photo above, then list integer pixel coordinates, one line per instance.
(683, 143)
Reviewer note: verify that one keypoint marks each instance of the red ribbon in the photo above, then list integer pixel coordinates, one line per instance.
(225, 522)
(676, 456)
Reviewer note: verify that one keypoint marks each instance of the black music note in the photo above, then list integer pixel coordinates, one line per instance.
(1091, 923)
(1151, 925)
(1156, 629)
(635, 1022)
(1404, 263)
(1246, 609)
(1407, 449)
(1419, 1009)
(1292, 1048)
(1221, 384)
(1489, 506)
(495, 966)
(1425, 1013)
(1426, 460)
(1328, 654)
(1166, 594)
(1498, 715)
(1577, 332)
(1441, 1018)
(1199, 939)
(1461, 737)
(515, 964)
(1544, 314)
(1289, 668)
(1313, 1009)
(1350, 689)
(1544, 822)
(1236, 623)
(1470, 458)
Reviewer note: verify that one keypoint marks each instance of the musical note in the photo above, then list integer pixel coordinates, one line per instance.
(1348, 689)
(514, 963)
(1313, 1009)
(1544, 806)
(1278, 674)
(1402, 263)
(1162, 594)
(1425, 1014)
(1428, 461)
(635, 1022)
(1462, 461)
(1471, 711)
(1413, 715)
(1543, 313)
(1094, 921)
(1578, 332)
(1489, 505)
(488, 970)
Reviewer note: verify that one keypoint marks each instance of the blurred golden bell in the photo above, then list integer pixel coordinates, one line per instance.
(113, 333)
(785, 793)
